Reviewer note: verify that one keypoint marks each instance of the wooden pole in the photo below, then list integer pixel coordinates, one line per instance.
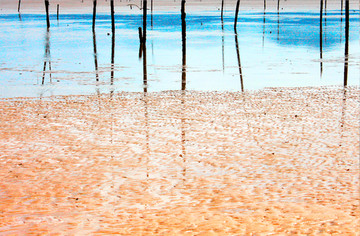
(47, 13)
(325, 6)
(239, 62)
(152, 8)
(347, 26)
(278, 20)
(145, 84)
(112, 16)
(19, 5)
(112, 59)
(144, 20)
(223, 44)
(95, 57)
(236, 13)
(222, 9)
(143, 44)
(57, 11)
(112, 41)
(94, 15)
(183, 37)
(321, 35)
(183, 84)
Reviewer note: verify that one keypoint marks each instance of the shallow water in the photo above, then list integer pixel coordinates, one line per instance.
(275, 50)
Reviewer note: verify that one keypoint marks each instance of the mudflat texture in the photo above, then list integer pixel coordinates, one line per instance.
(282, 161)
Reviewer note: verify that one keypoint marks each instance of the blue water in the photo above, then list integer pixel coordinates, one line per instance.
(276, 50)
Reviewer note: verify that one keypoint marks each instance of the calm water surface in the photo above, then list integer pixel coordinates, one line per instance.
(273, 50)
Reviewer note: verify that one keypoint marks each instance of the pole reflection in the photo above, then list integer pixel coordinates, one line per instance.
(145, 87)
(321, 36)
(264, 24)
(183, 37)
(47, 56)
(223, 44)
(278, 20)
(144, 57)
(95, 57)
(183, 86)
(343, 115)
(112, 43)
(239, 61)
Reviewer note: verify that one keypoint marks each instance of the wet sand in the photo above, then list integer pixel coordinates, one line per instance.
(85, 6)
(282, 161)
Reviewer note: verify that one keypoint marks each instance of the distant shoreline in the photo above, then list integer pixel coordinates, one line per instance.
(68, 6)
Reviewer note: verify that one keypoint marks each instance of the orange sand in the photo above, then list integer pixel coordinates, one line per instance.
(275, 161)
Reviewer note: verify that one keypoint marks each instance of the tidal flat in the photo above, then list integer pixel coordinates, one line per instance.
(272, 161)
(195, 127)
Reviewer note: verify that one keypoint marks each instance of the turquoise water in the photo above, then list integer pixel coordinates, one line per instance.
(275, 50)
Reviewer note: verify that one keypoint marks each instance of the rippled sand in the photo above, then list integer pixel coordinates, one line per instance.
(282, 161)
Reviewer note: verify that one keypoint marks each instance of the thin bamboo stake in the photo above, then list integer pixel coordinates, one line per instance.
(152, 8)
(112, 41)
(112, 16)
(94, 15)
(236, 13)
(144, 20)
(183, 85)
(183, 37)
(347, 26)
(47, 13)
(222, 9)
(57, 11)
(239, 61)
(19, 5)
(321, 36)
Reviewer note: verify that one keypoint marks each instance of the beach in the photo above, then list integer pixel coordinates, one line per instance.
(201, 129)
(279, 161)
